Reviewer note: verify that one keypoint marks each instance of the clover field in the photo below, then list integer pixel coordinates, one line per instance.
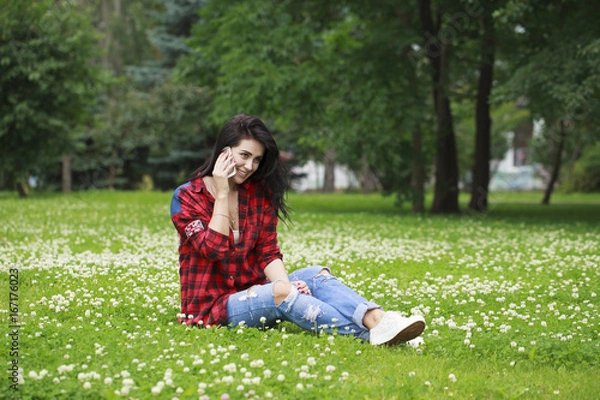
(90, 297)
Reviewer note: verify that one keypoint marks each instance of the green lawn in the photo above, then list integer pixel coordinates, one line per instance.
(510, 298)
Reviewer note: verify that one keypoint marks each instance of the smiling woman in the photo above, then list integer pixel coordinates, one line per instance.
(231, 267)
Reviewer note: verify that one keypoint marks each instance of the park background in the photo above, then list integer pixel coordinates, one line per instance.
(444, 156)
(407, 98)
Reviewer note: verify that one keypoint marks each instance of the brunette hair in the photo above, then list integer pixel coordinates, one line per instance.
(271, 173)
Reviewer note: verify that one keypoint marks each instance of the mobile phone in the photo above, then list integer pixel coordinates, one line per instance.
(228, 149)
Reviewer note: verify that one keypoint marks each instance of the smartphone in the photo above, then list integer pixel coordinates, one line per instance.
(228, 149)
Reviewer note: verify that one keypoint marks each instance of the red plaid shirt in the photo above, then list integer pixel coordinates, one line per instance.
(211, 266)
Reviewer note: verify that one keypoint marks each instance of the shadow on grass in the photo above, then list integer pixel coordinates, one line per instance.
(588, 214)
(510, 211)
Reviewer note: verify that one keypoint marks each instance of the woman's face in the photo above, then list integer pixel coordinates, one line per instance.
(247, 156)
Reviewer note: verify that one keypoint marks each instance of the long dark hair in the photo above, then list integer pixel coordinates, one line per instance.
(271, 173)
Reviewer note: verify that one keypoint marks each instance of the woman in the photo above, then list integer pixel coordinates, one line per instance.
(231, 269)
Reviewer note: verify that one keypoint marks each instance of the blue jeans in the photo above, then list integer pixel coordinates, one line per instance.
(331, 307)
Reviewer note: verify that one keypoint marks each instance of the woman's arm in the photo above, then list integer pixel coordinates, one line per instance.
(275, 271)
(220, 219)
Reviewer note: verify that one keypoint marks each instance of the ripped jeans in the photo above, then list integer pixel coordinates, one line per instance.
(332, 305)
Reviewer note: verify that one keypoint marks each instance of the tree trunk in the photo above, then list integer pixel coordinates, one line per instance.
(369, 182)
(117, 58)
(574, 158)
(329, 179)
(112, 170)
(107, 37)
(481, 169)
(557, 162)
(445, 198)
(21, 189)
(66, 173)
(418, 172)
(111, 16)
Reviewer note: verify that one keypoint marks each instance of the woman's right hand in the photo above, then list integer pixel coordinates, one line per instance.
(223, 167)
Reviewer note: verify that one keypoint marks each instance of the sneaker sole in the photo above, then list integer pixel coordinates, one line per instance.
(408, 333)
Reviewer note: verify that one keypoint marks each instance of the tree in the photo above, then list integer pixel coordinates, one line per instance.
(446, 163)
(264, 58)
(483, 135)
(557, 68)
(47, 82)
(173, 23)
(324, 73)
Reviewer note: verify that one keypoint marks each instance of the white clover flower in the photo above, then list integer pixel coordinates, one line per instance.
(231, 368)
(155, 390)
(330, 368)
(452, 378)
(280, 377)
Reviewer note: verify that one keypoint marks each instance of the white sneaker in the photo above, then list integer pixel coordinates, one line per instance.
(394, 328)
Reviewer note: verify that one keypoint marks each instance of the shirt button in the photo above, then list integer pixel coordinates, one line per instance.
(233, 253)
(231, 277)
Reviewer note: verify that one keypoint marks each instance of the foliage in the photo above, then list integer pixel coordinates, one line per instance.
(586, 175)
(327, 75)
(558, 64)
(172, 24)
(506, 117)
(511, 296)
(351, 76)
(47, 82)
(144, 132)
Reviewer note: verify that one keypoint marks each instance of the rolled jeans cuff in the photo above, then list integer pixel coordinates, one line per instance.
(361, 310)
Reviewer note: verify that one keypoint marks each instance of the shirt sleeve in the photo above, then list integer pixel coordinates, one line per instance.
(267, 247)
(191, 217)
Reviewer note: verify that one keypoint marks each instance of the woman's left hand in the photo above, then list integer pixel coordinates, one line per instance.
(302, 287)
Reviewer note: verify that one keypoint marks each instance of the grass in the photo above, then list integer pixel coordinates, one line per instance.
(510, 297)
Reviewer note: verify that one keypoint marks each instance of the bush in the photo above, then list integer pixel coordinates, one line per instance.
(586, 173)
